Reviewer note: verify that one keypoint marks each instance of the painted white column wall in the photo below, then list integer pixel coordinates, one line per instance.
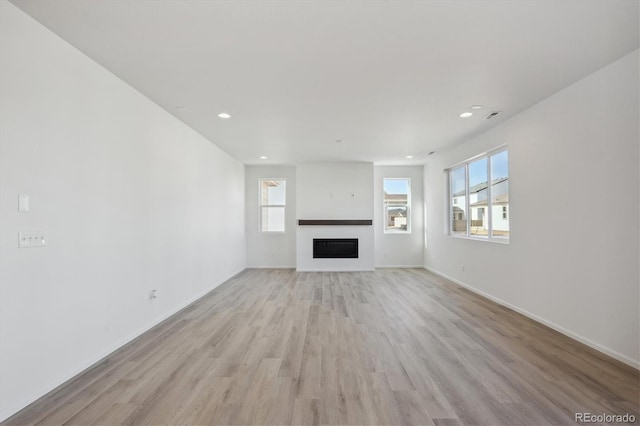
(334, 191)
(395, 250)
(270, 250)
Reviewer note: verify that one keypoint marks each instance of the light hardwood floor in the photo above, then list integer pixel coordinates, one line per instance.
(387, 347)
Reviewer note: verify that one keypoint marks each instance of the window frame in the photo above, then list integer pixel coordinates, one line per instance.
(262, 206)
(489, 208)
(385, 207)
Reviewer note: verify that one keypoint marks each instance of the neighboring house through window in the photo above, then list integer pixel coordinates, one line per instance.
(479, 197)
(397, 205)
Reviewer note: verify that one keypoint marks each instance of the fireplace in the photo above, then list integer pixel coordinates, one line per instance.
(335, 248)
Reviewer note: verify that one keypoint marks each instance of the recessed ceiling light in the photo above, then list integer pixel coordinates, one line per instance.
(224, 115)
(466, 114)
(338, 140)
(476, 107)
(263, 157)
(409, 156)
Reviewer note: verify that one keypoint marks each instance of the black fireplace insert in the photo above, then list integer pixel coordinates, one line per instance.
(335, 248)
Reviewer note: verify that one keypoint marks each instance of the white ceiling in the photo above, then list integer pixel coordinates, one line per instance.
(387, 78)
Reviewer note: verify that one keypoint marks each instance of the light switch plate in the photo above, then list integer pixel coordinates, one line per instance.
(32, 239)
(23, 203)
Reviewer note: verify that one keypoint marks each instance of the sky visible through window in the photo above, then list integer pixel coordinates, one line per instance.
(499, 168)
(396, 186)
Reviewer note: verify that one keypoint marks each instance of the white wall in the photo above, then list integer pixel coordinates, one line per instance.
(573, 257)
(131, 198)
(270, 250)
(334, 191)
(399, 249)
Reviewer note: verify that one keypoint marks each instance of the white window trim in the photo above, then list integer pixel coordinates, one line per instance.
(384, 209)
(489, 238)
(261, 206)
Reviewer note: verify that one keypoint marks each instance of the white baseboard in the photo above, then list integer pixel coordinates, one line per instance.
(335, 270)
(271, 267)
(339, 270)
(598, 347)
(9, 411)
(399, 266)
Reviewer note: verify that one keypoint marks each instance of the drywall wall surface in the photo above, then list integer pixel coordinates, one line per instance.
(130, 200)
(399, 249)
(270, 249)
(334, 191)
(572, 261)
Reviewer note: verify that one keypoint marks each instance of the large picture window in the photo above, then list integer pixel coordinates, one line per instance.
(479, 197)
(273, 196)
(397, 205)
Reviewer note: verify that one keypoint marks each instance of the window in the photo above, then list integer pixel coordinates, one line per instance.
(479, 197)
(273, 194)
(458, 178)
(397, 205)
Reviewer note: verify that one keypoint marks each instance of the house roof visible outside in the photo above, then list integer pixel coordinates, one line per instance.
(502, 199)
(395, 197)
(479, 187)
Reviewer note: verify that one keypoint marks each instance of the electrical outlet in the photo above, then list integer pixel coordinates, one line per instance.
(462, 268)
(153, 294)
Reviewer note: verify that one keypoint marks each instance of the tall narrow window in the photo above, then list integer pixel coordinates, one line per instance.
(273, 195)
(479, 197)
(397, 205)
(500, 194)
(478, 189)
(458, 178)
